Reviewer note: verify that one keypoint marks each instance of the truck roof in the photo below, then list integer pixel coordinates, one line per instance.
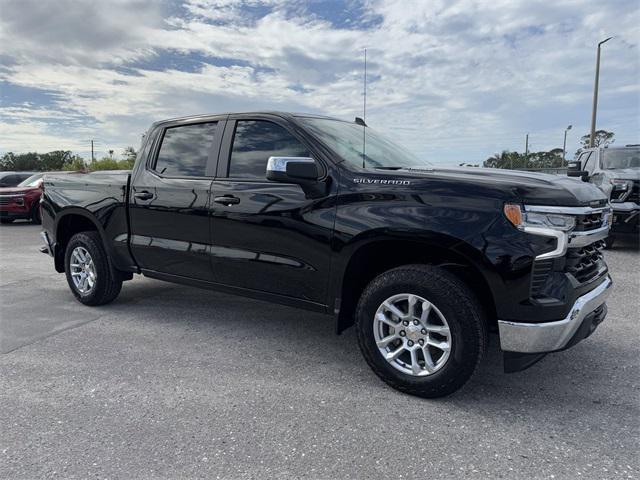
(613, 147)
(287, 115)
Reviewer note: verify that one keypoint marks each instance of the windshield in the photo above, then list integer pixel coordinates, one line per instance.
(347, 140)
(621, 158)
(31, 181)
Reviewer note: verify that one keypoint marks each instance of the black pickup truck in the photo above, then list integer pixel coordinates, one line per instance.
(330, 216)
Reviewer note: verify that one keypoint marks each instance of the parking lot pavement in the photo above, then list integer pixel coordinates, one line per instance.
(170, 381)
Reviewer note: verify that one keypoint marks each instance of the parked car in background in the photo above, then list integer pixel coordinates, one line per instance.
(288, 208)
(23, 200)
(11, 179)
(615, 171)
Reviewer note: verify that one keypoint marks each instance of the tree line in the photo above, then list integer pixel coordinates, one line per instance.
(64, 160)
(546, 159)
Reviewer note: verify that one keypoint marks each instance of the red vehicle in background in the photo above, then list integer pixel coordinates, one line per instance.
(23, 200)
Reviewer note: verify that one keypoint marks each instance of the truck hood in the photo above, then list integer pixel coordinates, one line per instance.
(526, 187)
(624, 173)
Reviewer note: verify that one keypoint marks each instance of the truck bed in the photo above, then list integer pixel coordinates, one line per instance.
(83, 189)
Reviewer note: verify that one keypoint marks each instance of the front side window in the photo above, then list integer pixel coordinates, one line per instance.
(185, 150)
(257, 140)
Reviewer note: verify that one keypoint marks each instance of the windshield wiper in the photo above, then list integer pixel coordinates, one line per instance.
(390, 168)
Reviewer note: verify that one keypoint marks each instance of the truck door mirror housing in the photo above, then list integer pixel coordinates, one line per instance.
(574, 169)
(292, 169)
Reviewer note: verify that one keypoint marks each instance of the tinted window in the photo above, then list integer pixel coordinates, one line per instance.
(254, 142)
(185, 150)
(11, 180)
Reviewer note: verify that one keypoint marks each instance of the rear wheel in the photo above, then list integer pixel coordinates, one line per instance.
(421, 330)
(89, 273)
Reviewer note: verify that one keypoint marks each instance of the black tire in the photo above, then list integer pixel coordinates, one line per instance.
(35, 215)
(5, 221)
(609, 241)
(107, 285)
(459, 306)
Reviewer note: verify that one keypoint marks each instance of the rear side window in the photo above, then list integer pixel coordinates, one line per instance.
(185, 150)
(257, 140)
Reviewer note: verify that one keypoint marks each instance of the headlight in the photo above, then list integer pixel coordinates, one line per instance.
(623, 185)
(522, 219)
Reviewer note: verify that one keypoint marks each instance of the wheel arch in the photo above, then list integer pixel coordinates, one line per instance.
(68, 223)
(375, 256)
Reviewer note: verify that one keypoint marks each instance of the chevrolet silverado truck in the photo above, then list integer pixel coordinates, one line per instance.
(330, 216)
(615, 171)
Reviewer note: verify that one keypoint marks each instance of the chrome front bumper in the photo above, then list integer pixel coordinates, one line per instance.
(551, 336)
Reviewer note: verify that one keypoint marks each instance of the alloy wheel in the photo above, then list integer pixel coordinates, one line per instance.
(412, 334)
(83, 270)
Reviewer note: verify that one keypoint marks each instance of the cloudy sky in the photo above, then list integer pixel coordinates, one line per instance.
(454, 81)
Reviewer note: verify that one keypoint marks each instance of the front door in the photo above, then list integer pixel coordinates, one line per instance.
(169, 211)
(267, 236)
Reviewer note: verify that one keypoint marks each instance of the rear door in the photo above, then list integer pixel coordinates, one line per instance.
(268, 236)
(169, 209)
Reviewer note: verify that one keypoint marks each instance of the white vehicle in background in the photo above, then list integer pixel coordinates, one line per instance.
(616, 171)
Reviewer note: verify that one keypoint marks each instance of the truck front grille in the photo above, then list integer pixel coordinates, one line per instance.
(589, 221)
(585, 263)
(5, 200)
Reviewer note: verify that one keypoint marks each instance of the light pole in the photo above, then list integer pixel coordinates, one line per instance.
(564, 145)
(595, 94)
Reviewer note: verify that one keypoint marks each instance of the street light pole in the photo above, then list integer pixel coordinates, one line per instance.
(564, 145)
(595, 94)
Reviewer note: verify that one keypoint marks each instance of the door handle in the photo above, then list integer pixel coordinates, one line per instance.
(143, 195)
(227, 200)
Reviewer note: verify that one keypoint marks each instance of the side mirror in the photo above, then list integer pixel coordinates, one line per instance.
(579, 173)
(574, 170)
(292, 169)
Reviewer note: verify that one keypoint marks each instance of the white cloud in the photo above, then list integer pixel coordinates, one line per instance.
(454, 81)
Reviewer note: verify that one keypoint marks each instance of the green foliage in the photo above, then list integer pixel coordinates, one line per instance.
(76, 163)
(513, 160)
(107, 163)
(20, 162)
(602, 138)
(64, 160)
(55, 160)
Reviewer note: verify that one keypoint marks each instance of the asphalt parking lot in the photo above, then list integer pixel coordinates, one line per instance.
(175, 382)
